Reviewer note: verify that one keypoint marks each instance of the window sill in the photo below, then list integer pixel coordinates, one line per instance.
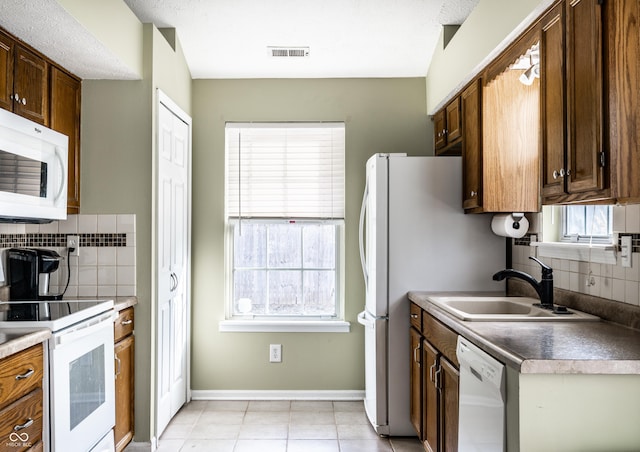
(284, 326)
(596, 253)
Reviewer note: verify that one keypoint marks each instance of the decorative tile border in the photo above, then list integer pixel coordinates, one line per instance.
(60, 240)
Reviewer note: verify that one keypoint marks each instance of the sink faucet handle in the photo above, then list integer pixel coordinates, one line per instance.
(546, 270)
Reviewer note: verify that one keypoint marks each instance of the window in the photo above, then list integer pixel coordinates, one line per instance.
(587, 223)
(285, 220)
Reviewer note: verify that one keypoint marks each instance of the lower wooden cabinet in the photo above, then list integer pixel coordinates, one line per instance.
(124, 378)
(21, 400)
(434, 384)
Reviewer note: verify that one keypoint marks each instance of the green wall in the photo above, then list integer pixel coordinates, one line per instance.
(381, 115)
(117, 142)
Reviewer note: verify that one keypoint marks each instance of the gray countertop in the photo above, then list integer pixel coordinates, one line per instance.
(15, 341)
(560, 347)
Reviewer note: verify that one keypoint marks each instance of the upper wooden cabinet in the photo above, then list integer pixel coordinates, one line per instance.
(25, 81)
(622, 60)
(573, 120)
(471, 106)
(510, 131)
(65, 118)
(447, 125)
(41, 91)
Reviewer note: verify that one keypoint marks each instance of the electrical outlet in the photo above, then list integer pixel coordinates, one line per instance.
(275, 353)
(73, 241)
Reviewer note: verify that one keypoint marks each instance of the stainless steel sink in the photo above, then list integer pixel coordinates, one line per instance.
(514, 309)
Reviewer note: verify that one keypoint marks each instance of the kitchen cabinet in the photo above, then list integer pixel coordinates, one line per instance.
(124, 377)
(447, 126)
(437, 395)
(622, 55)
(24, 75)
(572, 94)
(65, 118)
(471, 104)
(415, 402)
(41, 91)
(510, 131)
(21, 400)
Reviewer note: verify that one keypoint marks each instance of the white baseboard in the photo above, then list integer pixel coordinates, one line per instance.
(338, 395)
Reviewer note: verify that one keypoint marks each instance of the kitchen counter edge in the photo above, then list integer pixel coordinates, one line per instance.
(18, 340)
(477, 333)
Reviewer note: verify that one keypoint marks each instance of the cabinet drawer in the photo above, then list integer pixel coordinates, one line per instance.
(25, 412)
(20, 374)
(124, 324)
(415, 313)
(442, 338)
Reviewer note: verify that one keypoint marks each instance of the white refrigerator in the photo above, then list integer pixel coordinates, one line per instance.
(414, 235)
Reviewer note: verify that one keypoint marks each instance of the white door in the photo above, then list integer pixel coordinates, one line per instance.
(172, 261)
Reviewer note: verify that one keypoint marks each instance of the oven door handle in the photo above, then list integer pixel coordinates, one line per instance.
(82, 332)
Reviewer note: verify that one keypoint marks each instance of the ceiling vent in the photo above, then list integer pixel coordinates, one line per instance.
(293, 52)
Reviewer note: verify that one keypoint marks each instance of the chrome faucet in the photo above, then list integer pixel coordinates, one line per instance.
(544, 288)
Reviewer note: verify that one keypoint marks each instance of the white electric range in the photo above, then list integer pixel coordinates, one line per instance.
(79, 412)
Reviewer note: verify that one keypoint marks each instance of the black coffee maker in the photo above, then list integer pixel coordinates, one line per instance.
(29, 273)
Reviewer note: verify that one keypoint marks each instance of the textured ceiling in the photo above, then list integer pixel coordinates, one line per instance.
(47, 27)
(229, 38)
(347, 38)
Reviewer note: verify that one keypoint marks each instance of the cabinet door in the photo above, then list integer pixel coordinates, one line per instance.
(430, 429)
(449, 387)
(453, 129)
(439, 126)
(124, 384)
(30, 85)
(65, 118)
(584, 95)
(471, 104)
(6, 71)
(552, 109)
(416, 381)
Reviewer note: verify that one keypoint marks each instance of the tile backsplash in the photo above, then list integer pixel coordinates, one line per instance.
(106, 265)
(610, 281)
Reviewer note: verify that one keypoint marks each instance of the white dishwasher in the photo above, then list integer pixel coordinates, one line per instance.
(481, 426)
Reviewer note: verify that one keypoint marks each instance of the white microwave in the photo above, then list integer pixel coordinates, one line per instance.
(33, 171)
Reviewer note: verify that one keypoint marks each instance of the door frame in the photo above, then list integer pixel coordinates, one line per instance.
(164, 99)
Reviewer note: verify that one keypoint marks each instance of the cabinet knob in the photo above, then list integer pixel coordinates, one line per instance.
(23, 101)
(414, 316)
(16, 97)
(474, 194)
(562, 173)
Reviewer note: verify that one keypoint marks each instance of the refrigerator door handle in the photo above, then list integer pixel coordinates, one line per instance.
(363, 257)
(364, 321)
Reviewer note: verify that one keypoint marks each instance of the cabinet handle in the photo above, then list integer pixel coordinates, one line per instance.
(474, 193)
(28, 423)
(431, 371)
(126, 322)
(27, 374)
(415, 355)
(438, 379)
(414, 316)
(118, 365)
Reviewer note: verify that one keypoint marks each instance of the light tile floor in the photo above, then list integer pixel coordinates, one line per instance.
(277, 426)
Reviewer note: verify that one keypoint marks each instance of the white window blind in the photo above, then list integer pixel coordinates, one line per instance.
(285, 170)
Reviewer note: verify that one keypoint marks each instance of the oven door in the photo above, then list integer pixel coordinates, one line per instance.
(82, 389)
